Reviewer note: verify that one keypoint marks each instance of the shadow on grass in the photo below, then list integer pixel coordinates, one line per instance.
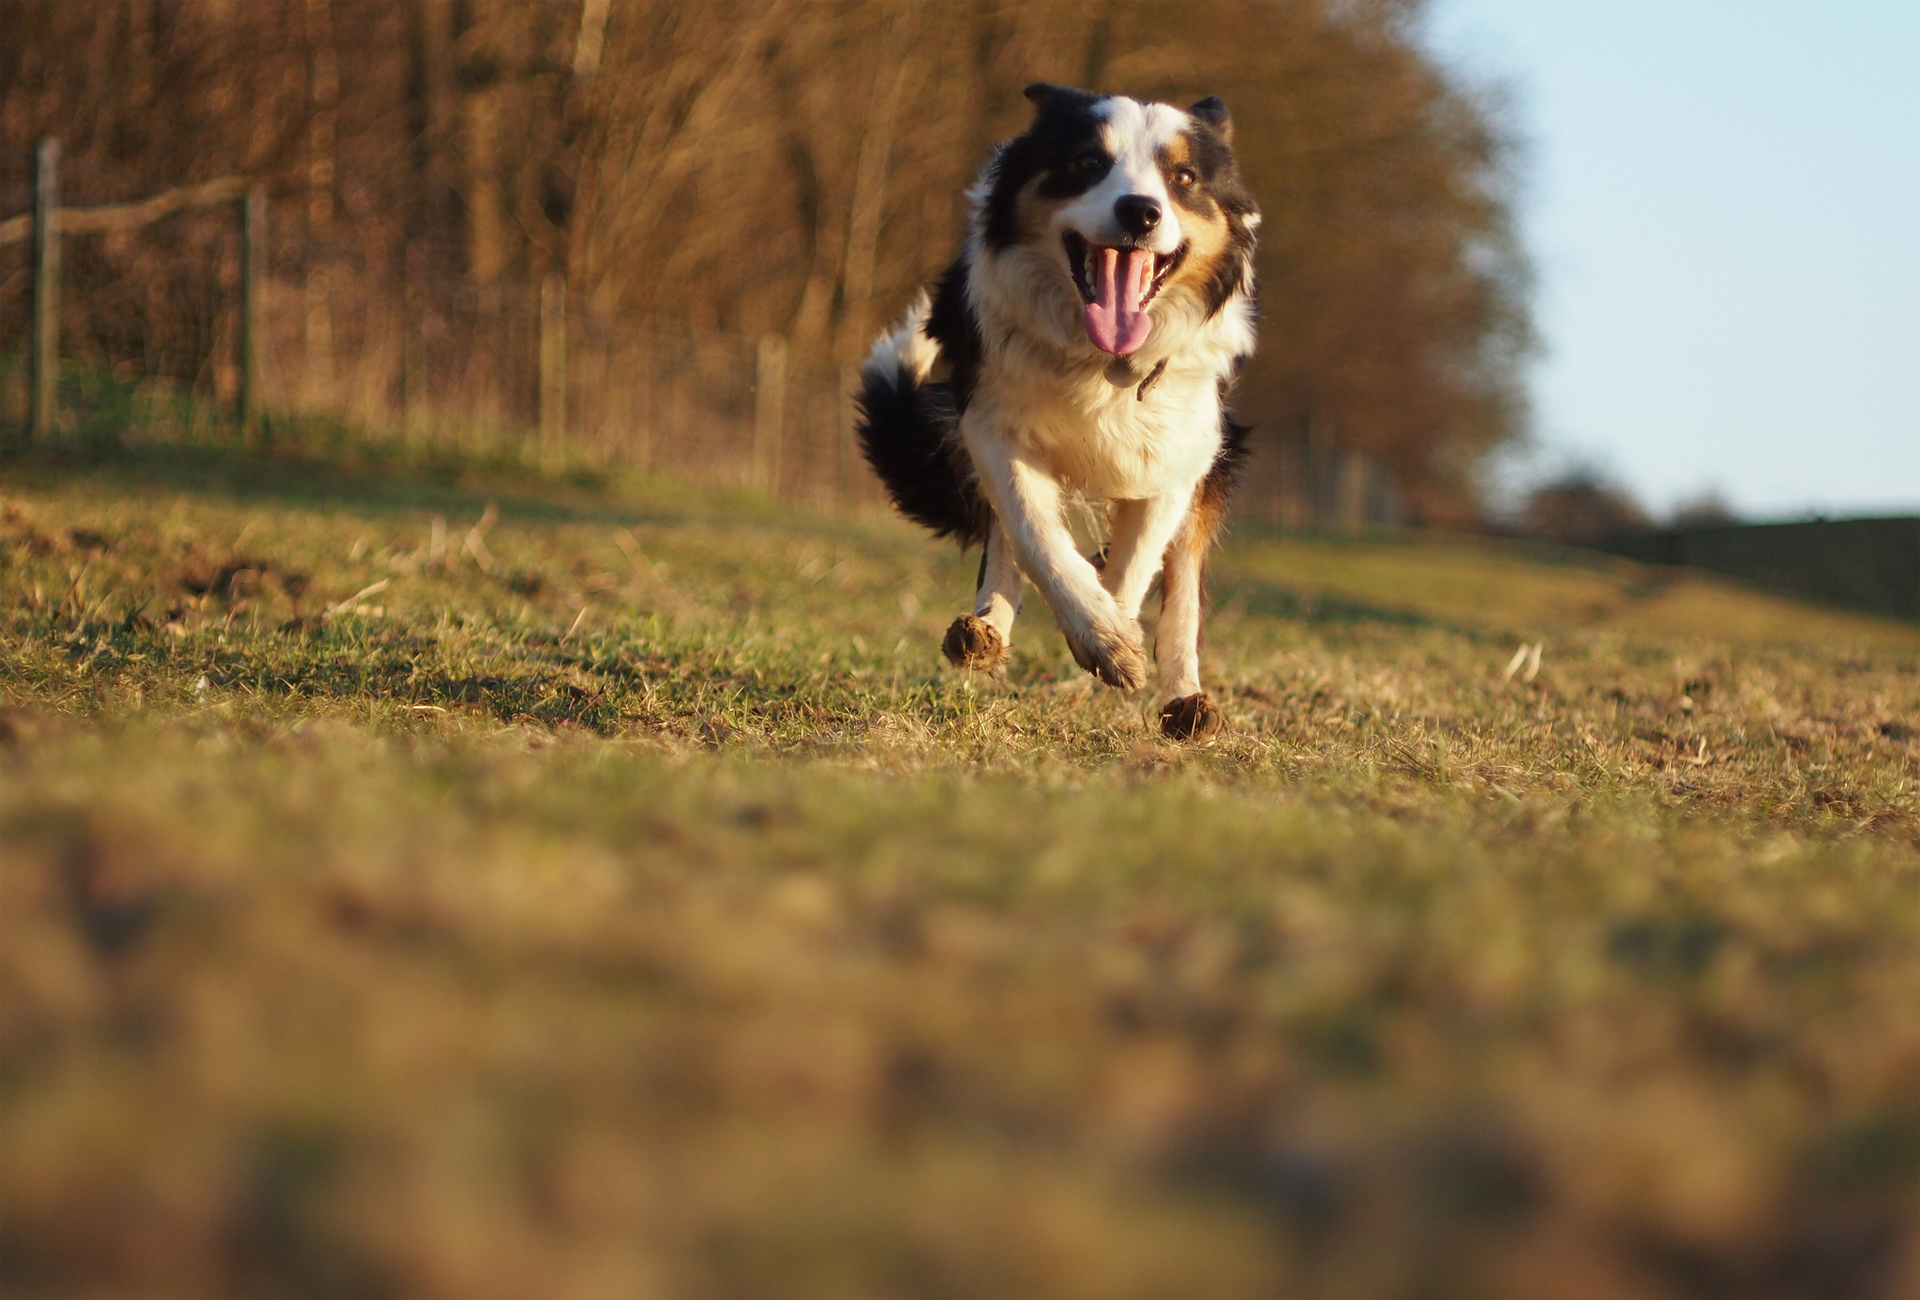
(1252, 597)
(307, 466)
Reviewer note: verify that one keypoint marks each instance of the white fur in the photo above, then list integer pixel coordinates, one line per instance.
(998, 600)
(1176, 638)
(904, 347)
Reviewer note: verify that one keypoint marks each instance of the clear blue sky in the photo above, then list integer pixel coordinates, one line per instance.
(1723, 204)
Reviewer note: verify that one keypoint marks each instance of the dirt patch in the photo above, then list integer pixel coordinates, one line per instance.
(238, 575)
(20, 532)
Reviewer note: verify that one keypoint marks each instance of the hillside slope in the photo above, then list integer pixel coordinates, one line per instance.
(423, 886)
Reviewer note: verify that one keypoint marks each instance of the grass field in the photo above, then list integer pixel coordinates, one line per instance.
(431, 884)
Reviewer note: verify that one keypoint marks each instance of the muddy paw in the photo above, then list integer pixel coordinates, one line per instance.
(972, 642)
(1113, 657)
(1191, 717)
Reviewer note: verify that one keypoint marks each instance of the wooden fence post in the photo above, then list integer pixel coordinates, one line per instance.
(1280, 479)
(1316, 507)
(412, 365)
(648, 409)
(45, 357)
(253, 282)
(553, 364)
(769, 402)
(1350, 490)
(846, 433)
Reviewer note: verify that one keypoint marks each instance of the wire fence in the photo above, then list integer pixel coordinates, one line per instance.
(194, 313)
(447, 363)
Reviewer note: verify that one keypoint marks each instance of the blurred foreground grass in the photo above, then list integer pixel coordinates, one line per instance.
(446, 885)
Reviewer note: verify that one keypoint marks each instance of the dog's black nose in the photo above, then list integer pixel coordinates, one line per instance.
(1137, 213)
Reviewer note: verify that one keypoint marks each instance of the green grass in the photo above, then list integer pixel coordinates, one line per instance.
(631, 904)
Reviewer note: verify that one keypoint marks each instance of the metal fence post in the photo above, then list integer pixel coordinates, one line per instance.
(253, 282)
(553, 364)
(769, 402)
(45, 357)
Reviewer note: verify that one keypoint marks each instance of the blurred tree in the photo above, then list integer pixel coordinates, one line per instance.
(797, 166)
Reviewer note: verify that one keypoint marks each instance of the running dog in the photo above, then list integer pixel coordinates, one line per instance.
(1083, 342)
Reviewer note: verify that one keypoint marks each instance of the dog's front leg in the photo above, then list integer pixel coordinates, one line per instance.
(1027, 499)
(980, 639)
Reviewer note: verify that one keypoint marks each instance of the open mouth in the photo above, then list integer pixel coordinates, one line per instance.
(1117, 284)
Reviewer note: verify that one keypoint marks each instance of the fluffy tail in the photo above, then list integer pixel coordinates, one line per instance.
(909, 433)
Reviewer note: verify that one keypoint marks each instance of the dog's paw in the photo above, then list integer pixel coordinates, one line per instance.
(1112, 656)
(972, 642)
(1191, 717)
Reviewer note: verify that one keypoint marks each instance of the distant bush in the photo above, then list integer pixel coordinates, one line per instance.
(1580, 508)
(1707, 510)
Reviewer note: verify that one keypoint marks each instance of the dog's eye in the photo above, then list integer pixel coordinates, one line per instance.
(1091, 160)
(1185, 177)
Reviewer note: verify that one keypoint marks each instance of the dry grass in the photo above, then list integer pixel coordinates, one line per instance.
(440, 938)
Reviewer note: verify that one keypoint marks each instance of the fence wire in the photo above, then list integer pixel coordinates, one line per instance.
(392, 348)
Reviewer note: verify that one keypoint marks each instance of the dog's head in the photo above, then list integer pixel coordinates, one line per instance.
(1134, 204)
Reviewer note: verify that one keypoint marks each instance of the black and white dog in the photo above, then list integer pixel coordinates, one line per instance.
(1083, 342)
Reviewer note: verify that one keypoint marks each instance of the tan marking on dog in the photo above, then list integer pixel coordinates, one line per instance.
(1208, 234)
(1034, 212)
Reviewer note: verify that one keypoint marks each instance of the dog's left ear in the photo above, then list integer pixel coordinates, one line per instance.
(1213, 111)
(1043, 94)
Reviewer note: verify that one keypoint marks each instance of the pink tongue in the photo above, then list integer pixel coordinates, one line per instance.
(1117, 319)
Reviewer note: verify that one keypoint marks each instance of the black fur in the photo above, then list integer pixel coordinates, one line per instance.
(907, 433)
(1224, 474)
(1220, 184)
(954, 327)
(1216, 489)
(1213, 111)
(910, 435)
(1062, 145)
(1234, 272)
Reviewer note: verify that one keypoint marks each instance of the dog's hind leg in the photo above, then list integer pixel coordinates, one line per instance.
(1185, 711)
(980, 639)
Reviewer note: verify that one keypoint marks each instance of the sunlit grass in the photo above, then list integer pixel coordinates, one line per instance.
(630, 903)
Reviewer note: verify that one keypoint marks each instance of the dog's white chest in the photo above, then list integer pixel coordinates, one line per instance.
(1105, 440)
